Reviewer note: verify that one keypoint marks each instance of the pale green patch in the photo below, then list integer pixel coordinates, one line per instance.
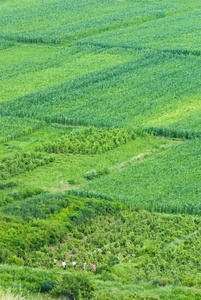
(63, 66)
(181, 109)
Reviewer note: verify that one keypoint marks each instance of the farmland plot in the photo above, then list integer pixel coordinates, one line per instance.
(125, 67)
(23, 71)
(169, 182)
(53, 22)
(179, 34)
(153, 86)
(76, 151)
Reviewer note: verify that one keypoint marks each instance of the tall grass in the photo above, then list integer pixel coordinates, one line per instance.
(8, 295)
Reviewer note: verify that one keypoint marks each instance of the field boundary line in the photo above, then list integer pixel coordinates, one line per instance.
(171, 51)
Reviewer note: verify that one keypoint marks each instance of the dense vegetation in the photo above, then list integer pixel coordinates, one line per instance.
(11, 166)
(89, 141)
(129, 247)
(60, 212)
(145, 102)
(54, 29)
(100, 149)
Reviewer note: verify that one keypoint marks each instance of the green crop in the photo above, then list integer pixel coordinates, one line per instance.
(14, 127)
(169, 182)
(129, 71)
(93, 99)
(60, 22)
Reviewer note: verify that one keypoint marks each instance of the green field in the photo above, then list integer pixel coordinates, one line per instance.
(169, 182)
(163, 100)
(100, 128)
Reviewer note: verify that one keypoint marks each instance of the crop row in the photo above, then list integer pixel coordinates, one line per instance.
(54, 28)
(165, 33)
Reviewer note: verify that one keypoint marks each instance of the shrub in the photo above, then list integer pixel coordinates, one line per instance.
(47, 286)
(75, 285)
(15, 260)
(7, 185)
(107, 276)
(103, 268)
(77, 235)
(113, 260)
(71, 181)
(91, 175)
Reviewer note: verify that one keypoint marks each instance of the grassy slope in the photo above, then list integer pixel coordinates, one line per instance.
(149, 247)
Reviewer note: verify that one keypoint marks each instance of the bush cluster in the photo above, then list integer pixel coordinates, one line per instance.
(93, 174)
(91, 140)
(22, 163)
(46, 219)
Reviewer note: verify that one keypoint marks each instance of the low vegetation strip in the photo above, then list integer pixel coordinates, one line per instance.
(172, 131)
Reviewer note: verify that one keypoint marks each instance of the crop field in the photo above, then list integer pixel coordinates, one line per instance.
(109, 53)
(67, 170)
(183, 29)
(100, 149)
(146, 101)
(169, 182)
(45, 22)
